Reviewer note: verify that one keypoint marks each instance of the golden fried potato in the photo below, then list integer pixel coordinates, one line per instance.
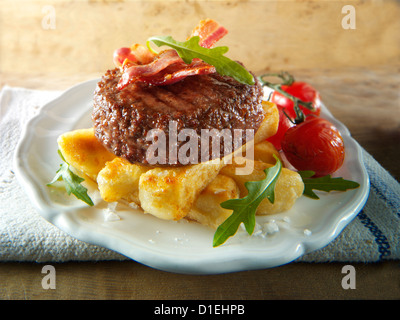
(84, 152)
(264, 152)
(207, 210)
(288, 189)
(193, 191)
(269, 126)
(119, 179)
(169, 193)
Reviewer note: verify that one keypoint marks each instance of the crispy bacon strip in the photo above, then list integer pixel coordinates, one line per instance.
(138, 63)
(136, 72)
(209, 32)
(177, 72)
(142, 53)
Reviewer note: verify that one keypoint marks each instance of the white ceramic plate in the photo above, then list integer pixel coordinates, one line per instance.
(181, 247)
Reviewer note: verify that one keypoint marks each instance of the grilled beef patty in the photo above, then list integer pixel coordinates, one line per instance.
(123, 118)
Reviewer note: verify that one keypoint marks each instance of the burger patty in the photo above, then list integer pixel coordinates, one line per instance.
(123, 119)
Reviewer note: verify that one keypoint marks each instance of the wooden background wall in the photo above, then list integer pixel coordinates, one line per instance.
(264, 35)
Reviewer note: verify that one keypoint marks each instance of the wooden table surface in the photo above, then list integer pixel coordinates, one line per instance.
(365, 100)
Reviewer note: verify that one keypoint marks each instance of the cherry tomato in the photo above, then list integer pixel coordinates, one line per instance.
(304, 92)
(283, 126)
(314, 144)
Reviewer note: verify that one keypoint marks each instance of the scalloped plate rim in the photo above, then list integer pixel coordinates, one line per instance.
(222, 259)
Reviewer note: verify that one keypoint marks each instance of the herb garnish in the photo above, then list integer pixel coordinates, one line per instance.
(326, 183)
(244, 209)
(72, 182)
(190, 49)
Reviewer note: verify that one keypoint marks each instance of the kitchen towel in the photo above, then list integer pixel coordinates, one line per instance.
(25, 236)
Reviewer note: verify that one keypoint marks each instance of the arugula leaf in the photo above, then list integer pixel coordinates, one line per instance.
(191, 49)
(72, 182)
(326, 183)
(244, 209)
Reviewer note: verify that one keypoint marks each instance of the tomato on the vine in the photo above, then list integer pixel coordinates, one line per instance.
(302, 91)
(308, 141)
(316, 145)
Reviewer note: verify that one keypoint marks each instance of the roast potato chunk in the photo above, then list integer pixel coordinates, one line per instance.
(288, 189)
(119, 179)
(84, 152)
(264, 152)
(269, 126)
(207, 210)
(259, 147)
(169, 193)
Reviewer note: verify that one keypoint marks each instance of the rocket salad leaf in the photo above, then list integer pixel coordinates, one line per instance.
(244, 209)
(326, 183)
(72, 182)
(191, 49)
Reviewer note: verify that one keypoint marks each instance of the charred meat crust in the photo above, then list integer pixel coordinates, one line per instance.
(123, 118)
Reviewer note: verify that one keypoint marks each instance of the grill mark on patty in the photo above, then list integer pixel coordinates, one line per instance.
(123, 118)
(190, 96)
(148, 98)
(174, 102)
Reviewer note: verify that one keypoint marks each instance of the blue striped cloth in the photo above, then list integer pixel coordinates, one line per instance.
(374, 235)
